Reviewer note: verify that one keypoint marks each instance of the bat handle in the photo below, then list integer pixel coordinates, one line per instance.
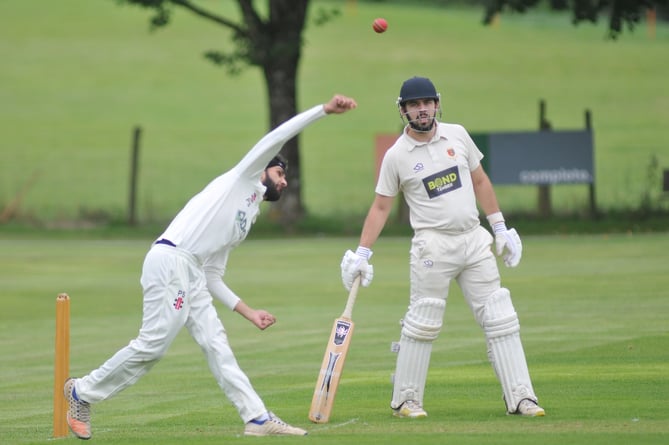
(348, 310)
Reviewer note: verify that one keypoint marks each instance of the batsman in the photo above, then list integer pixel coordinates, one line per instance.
(437, 167)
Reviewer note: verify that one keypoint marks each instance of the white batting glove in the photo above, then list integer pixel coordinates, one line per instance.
(506, 239)
(354, 264)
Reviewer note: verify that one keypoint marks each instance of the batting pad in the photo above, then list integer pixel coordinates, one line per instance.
(505, 349)
(420, 327)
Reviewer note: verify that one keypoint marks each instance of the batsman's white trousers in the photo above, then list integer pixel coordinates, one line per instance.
(437, 258)
(175, 295)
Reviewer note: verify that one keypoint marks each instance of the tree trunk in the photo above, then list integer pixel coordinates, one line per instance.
(280, 69)
(281, 88)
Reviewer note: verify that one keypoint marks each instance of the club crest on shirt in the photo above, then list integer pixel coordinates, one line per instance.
(450, 151)
(442, 182)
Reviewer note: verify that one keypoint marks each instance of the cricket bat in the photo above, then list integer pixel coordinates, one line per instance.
(333, 361)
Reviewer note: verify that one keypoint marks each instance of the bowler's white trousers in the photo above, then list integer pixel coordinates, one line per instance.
(175, 295)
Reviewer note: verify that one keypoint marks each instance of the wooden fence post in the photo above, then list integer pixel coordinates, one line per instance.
(544, 192)
(134, 168)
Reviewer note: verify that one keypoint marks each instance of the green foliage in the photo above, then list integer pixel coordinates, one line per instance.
(621, 13)
(593, 322)
(161, 10)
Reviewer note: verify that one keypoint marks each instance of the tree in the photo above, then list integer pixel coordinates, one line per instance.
(621, 12)
(272, 43)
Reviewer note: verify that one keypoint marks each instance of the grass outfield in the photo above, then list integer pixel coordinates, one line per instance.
(78, 75)
(593, 312)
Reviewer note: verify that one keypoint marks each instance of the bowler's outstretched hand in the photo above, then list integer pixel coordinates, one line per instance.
(339, 104)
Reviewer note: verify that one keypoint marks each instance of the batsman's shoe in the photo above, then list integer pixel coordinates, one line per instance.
(529, 408)
(78, 412)
(410, 409)
(272, 427)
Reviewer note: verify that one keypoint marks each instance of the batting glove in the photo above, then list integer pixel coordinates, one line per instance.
(506, 239)
(354, 264)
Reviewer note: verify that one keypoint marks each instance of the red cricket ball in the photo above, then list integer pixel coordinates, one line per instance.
(380, 25)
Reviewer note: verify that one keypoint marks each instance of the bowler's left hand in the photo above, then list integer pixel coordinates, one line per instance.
(263, 319)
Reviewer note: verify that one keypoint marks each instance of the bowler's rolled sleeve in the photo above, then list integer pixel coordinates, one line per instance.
(220, 291)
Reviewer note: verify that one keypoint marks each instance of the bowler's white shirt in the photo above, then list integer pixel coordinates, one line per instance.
(218, 218)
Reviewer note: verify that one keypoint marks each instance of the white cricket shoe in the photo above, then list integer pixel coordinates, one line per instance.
(272, 427)
(530, 408)
(411, 409)
(78, 412)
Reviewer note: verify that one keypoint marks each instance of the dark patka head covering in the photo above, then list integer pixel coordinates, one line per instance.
(278, 160)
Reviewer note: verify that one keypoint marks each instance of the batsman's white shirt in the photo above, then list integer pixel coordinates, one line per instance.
(178, 282)
(435, 178)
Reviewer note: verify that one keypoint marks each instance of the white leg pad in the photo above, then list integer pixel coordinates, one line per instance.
(505, 350)
(420, 327)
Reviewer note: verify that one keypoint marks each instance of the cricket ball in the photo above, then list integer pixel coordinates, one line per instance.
(380, 25)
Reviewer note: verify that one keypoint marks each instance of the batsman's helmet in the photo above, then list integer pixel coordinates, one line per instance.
(417, 88)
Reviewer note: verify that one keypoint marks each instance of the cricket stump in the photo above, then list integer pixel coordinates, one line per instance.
(61, 364)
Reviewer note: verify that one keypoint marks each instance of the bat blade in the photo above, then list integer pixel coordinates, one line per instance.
(332, 365)
(331, 370)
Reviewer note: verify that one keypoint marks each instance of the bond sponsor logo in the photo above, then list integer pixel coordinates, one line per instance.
(241, 220)
(443, 182)
(341, 332)
(179, 300)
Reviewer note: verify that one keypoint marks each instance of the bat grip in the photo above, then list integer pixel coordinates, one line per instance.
(348, 310)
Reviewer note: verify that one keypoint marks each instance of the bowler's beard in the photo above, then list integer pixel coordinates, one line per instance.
(271, 192)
